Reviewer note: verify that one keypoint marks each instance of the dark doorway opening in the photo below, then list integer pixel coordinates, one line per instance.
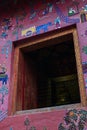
(49, 76)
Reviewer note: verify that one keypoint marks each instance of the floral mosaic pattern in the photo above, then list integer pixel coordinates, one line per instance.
(74, 120)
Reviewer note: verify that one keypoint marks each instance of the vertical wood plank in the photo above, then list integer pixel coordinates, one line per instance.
(79, 69)
(14, 80)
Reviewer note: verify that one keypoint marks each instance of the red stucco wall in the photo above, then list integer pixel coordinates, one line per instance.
(29, 19)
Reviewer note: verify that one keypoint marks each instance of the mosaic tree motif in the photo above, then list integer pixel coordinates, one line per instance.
(74, 120)
(3, 91)
(7, 48)
(3, 80)
(20, 15)
(29, 127)
(6, 26)
(17, 28)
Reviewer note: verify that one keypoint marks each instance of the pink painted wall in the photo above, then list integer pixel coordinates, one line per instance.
(15, 24)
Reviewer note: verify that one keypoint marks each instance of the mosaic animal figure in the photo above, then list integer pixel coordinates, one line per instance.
(3, 78)
(43, 27)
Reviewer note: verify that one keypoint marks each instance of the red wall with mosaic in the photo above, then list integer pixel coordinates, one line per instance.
(27, 19)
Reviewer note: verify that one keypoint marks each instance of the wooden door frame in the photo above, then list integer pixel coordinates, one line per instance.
(39, 41)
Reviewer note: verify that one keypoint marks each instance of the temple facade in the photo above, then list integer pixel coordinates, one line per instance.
(43, 65)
